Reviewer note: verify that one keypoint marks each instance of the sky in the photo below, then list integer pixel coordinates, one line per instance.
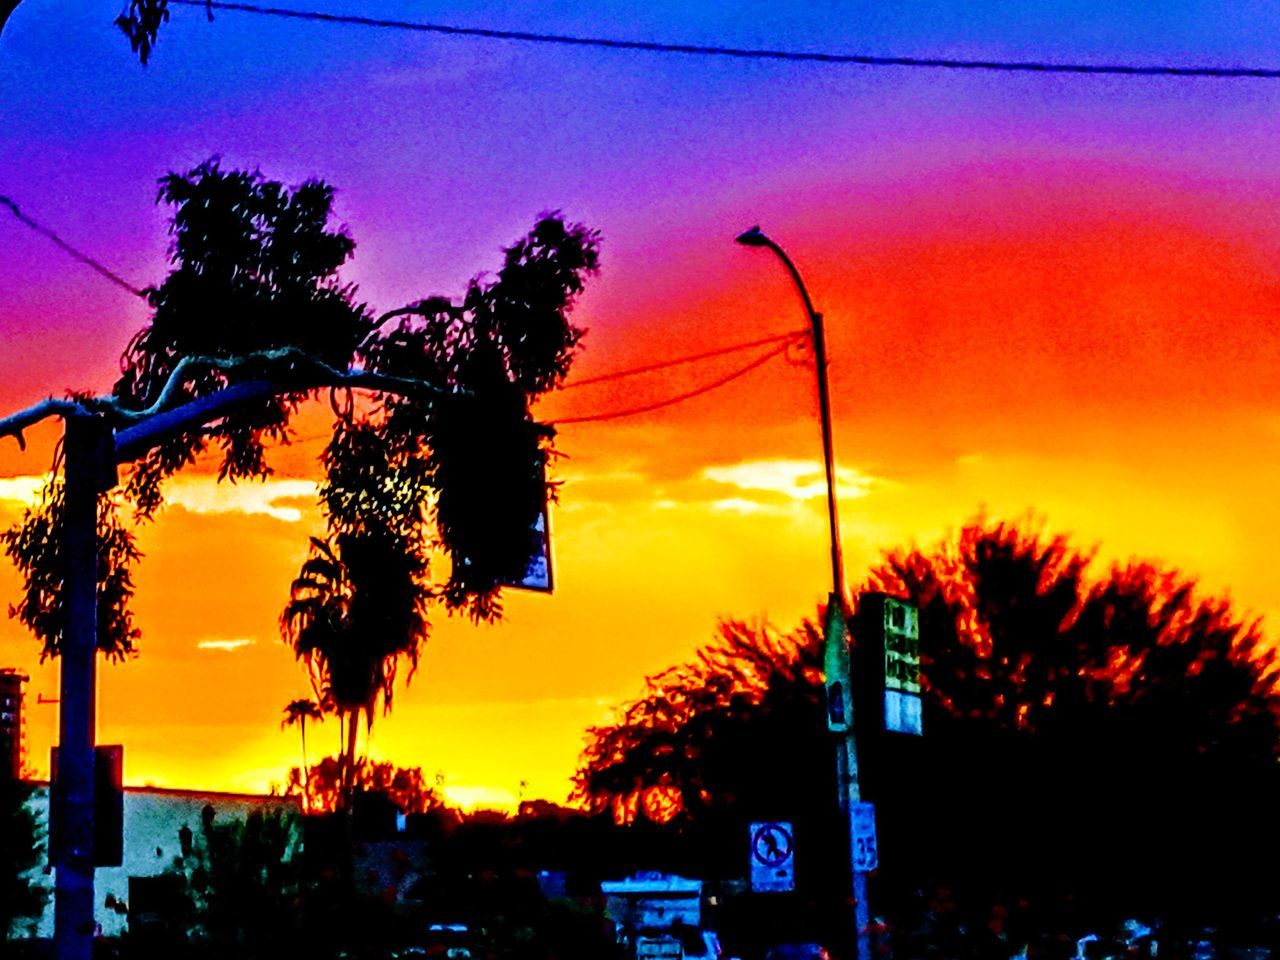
(1046, 297)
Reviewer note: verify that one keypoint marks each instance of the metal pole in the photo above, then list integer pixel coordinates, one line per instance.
(87, 450)
(846, 745)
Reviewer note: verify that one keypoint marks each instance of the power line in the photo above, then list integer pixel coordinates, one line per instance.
(84, 258)
(748, 53)
(692, 358)
(786, 341)
(681, 397)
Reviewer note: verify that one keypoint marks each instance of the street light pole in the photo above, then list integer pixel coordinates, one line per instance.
(846, 745)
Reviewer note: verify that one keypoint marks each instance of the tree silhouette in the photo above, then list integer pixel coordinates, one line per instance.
(35, 546)
(241, 882)
(253, 314)
(298, 712)
(1111, 738)
(253, 292)
(356, 608)
(324, 787)
(473, 462)
(21, 852)
(141, 22)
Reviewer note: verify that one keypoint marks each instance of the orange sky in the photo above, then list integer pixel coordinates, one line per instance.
(1104, 357)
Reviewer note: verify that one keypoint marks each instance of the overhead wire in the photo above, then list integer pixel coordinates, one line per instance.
(78, 254)
(680, 397)
(751, 53)
(786, 341)
(680, 361)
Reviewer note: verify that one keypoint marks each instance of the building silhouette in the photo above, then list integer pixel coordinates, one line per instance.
(11, 729)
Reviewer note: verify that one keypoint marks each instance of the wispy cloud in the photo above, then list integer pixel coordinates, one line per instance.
(227, 646)
(24, 490)
(796, 479)
(201, 494)
(270, 498)
(743, 505)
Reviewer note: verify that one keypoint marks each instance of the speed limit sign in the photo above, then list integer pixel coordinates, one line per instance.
(862, 839)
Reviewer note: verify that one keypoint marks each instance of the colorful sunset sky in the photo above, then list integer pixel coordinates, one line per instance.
(1045, 295)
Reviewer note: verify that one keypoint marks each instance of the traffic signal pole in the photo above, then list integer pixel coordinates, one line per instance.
(99, 436)
(89, 462)
(850, 793)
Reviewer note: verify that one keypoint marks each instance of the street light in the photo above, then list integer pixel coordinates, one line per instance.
(755, 238)
(835, 656)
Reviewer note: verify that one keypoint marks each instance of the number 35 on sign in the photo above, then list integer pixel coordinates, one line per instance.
(862, 823)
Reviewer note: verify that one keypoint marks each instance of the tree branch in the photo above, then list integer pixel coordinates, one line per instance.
(132, 424)
(15, 423)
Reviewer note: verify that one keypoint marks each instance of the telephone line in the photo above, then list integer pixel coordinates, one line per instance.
(692, 358)
(84, 258)
(681, 397)
(786, 341)
(752, 53)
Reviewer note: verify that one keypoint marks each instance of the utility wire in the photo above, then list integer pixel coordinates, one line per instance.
(750, 53)
(681, 397)
(692, 358)
(786, 341)
(84, 258)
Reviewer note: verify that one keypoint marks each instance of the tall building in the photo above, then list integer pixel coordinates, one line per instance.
(11, 745)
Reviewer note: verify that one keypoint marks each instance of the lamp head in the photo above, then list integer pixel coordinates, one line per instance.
(752, 238)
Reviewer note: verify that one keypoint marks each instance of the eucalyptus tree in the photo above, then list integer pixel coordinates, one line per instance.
(250, 322)
(471, 463)
(1075, 718)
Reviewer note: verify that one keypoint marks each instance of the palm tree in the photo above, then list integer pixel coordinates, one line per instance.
(299, 712)
(355, 609)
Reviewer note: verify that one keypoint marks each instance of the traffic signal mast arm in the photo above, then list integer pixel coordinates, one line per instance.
(139, 430)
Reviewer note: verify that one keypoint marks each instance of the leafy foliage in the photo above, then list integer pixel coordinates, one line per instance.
(470, 462)
(403, 786)
(254, 293)
(20, 852)
(255, 270)
(354, 610)
(676, 752)
(140, 22)
(35, 546)
(1075, 727)
(242, 883)
(508, 341)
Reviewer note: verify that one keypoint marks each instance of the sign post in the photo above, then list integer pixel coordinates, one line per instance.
(840, 720)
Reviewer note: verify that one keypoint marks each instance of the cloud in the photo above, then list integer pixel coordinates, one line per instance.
(282, 500)
(227, 646)
(24, 490)
(270, 498)
(796, 479)
(743, 505)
